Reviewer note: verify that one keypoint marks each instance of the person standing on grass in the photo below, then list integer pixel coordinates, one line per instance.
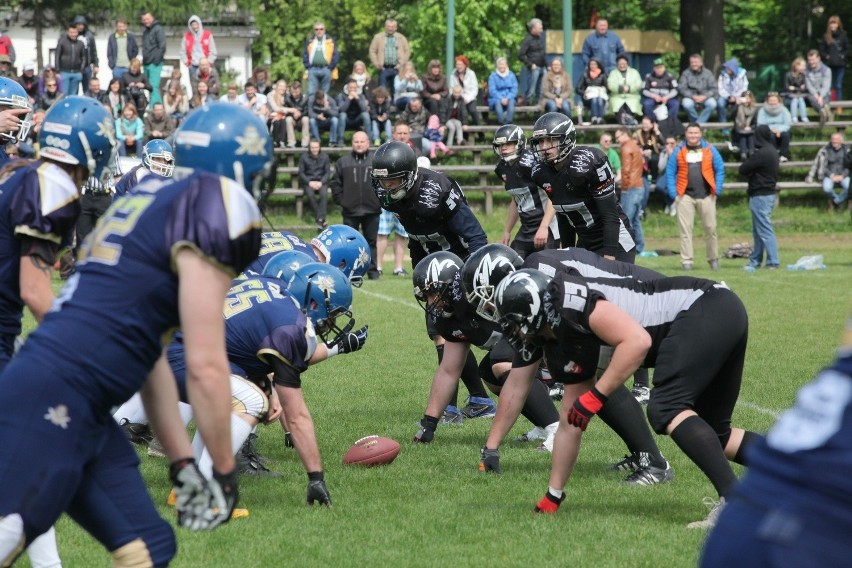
(761, 168)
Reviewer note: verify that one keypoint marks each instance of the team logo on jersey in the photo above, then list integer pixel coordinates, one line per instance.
(430, 193)
(550, 312)
(581, 159)
(251, 143)
(58, 416)
(547, 187)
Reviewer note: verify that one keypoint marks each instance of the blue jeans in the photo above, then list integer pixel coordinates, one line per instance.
(550, 106)
(153, 72)
(505, 114)
(71, 82)
(709, 105)
(386, 77)
(597, 107)
(722, 105)
(761, 207)
(386, 126)
(631, 203)
(362, 120)
(798, 108)
(117, 72)
(329, 124)
(533, 85)
(828, 187)
(837, 74)
(318, 78)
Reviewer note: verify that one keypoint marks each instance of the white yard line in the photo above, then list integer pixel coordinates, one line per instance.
(389, 298)
(758, 408)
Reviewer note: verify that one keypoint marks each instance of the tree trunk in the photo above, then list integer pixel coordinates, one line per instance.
(690, 31)
(713, 32)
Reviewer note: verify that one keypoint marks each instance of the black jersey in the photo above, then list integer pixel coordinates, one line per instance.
(465, 325)
(583, 191)
(588, 264)
(529, 198)
(436, 215)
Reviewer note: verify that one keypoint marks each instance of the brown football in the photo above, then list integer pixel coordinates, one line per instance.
(372, 450)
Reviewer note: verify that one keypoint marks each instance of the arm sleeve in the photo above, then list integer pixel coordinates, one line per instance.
(718, 170)
(303, 177)
(285, 375)
(671, 173)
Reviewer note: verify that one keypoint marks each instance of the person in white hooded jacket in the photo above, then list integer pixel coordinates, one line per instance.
(197, 44)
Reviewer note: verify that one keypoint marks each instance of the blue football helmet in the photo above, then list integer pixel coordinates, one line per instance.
(346, 249)
(325, 296)
(227, 140)
(79, 131)
(158, 157)
(13, 95)
(284, 264)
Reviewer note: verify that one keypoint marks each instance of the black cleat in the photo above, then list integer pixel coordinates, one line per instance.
(136, 432)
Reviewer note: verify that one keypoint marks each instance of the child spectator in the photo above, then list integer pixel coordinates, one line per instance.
(743, 134)
(129, 131)
(456, 117)
(795, 90)
(380, 108)
(434, 132)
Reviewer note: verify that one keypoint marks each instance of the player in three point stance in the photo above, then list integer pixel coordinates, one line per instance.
(162, 257)
(692, 331)
(435, 213)
(438, 289)
(529, 203)
(157, 158)
(793, 506)
(482, 274)
(271, 329)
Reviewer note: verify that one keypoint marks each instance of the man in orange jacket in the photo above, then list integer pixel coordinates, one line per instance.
(695, 175)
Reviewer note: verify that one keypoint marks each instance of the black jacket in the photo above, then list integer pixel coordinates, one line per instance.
(352, 187)
(532, 51)
(112, 48)
(70, 55)
(761, 167)
(314, 169)
(834, 54)
(153, 44)
(88, 38)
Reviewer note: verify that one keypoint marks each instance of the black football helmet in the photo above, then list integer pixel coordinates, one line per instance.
(509, 134)
(393, 161)
(433, 282)
(520, 308)
(554, 125)
(483, 271)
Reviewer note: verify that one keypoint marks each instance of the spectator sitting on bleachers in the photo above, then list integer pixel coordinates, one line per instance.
(415, 116)
(134, 83)
(465, 78)
(231, 97)
(795, 90)
(435, 90)
(49, 73)
(660, 88)
(362, 78)
(698, 90)
(831, 169)
(380, 110)
(50, 97)
(406, 85)
(556, 89)
(592, 88)
(602, 45)
(277, 125)
(625, 86)
(502, 91)
(157, 124)
(742, 136)
(117, 100)
(29, 82)
(202, 95)
(207, 73)
(456, 113)
(732, 85)
(434, 133)
(353, 111)
(818, 81)
(95, 92)
(254, 101)
(129, 131)
(260, 78)
(176, 103)
(296, 112)
(314, 173)
(776, 116)
(322, 111)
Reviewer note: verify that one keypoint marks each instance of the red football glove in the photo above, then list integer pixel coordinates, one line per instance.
(585, 407)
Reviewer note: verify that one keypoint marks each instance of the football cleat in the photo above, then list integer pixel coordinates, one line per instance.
(136, 432)
(556, 391)
(479, 407)
(249, 462)
(155, 448)
(536, 433)
(632, 462)
(548, 504)
(452, 416)
(549, 434)
(650, 475)
(709, 522)
(641, 394)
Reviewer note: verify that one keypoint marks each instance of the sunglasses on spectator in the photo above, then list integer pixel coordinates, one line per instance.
(51, 84)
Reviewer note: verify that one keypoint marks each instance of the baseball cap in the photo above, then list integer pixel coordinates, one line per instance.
(29, 66)
(5, 59)
(659, 61)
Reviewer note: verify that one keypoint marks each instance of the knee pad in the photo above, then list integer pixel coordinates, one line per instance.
(134, 554)
(12, 538)
(248, 398)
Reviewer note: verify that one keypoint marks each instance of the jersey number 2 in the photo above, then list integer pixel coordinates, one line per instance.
(119, 221)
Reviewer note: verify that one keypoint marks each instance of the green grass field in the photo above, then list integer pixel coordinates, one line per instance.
(432, 507)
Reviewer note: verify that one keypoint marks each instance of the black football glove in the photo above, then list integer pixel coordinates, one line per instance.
(489, 460)
(425, 434)
(288, 440)
(353, 341)
(317, 491)
(225, 495)
(193, 495)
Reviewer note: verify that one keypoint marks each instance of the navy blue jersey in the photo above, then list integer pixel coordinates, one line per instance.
(465, 325)
(263, 323)
(131, 179)
(588, 264)
(38, 200)
(272, 243)
(437, 217)
(803, 464)
(583, 191)
(529, 198)
(109, 324)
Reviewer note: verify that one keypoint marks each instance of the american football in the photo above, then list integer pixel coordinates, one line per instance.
(372, 450)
